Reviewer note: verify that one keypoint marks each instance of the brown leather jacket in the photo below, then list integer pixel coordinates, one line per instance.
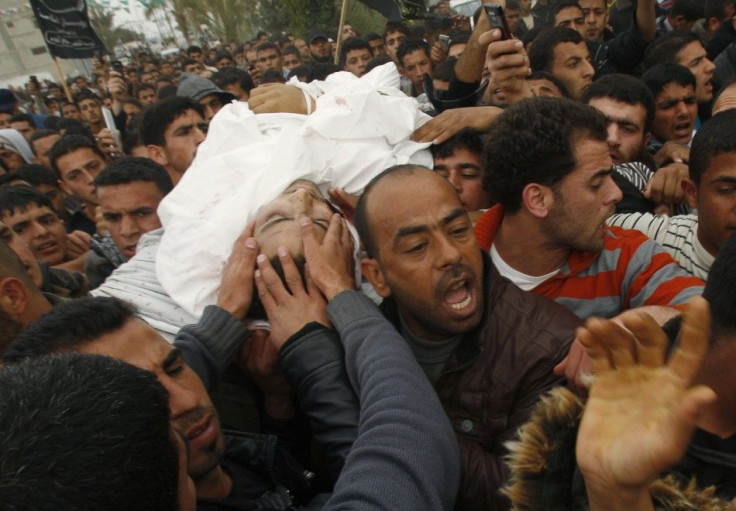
(494, 379)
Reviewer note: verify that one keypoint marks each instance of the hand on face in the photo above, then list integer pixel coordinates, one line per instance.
(236, 285)
(331, 263)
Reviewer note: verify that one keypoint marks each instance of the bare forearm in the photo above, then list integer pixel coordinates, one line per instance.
(469, 67)
(646, 19)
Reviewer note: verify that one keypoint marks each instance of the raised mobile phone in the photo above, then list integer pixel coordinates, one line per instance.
(444, 42)
(497, 19)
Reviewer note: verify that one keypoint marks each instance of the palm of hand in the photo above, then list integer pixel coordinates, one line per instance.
(636, 424)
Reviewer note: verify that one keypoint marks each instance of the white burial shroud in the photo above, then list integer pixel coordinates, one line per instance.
(361, 126)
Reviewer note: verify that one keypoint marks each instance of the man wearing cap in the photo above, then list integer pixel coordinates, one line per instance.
(319, 46)
(206, 93)
(9, 107)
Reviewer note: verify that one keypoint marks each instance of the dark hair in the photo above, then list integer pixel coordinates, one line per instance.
(68, 144)
(665, 48)
(716, 136)
(144, 86)
(229, 75)
(533, 142)
(410, 45)
(372, 36)
(39, 134)
(23, 118)
(661, 75)
(167, 91)
(131, 169)
(19, 198)
(565, 4)
(352, 44)
(467, 139)
(36, 175)
(292, 50)
(77, 430)
(360, 217)
(691, 10)
(158, 116)
(320, 71)
(272, 76)
(69, 325)
(542, 52)
(719, 290)
(544, 75)
(193, 49)
(625, 89)
(513, 5)
(186, 62)
(268, 45)
(223, 54)
(86, 94)
(394, 26)
(717, 9)
(300, 71)
(132, 101)
(132, 138)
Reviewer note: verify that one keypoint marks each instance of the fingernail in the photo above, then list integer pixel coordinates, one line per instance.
(257, 274)
(518, 44)
(251, 243)
(261, 258)
(282, 252)
(304, 221)
(496, 33)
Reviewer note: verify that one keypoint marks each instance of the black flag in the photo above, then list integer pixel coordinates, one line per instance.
(66, 29)
(395, 10)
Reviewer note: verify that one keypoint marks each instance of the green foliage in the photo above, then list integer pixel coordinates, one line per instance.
(101, 19)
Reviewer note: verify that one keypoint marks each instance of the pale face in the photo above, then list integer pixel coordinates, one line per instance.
(147, 96)
(192, 414)
(427, 256)
(583, 200)
(41, 230)
(277, 223)
(626, 137)
(544, 87)
(91, 111)
(393, 40)
(269, 59)
(693, 57)
(462, 171)
(356, 60)
(675, 112)
(129, 211)
(572, 67)
(182, 137)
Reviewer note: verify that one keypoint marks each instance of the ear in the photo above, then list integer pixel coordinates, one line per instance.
(691, 192)
(372, 272)
(13, 296)
(537, 199)
(158, 154)
(713, 24)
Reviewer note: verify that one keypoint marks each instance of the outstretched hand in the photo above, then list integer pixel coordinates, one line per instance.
(236, 284)
(331, 262)
(289, 307)
(642, 409)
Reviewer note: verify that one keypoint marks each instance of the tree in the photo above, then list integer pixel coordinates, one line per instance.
(101, 19)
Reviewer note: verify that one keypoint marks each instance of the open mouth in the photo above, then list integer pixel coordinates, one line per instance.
(683, 129)
(459, 296)
(202, 434)
(47, 248)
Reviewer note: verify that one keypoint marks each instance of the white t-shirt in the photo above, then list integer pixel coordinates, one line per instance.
(524, 281)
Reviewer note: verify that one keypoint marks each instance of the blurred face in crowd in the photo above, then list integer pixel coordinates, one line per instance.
(426, 256)
(81, 83)
(41, 148)
(513, 17)
(182, 137)
(24, 127)
(347, 32)
(675, 112)
(414, 66)
(571, 17)
(320, 48)
(196, 55)
(544, 87)
(129, 211)
(462, 170)
(194, 68)
(147, 96)
(131, 109)
(78, 170)
(596, 18)
(11, 159)
(356, 60)
(270, 58)
(24, 253)
(41, 230)
(192, 414)
(148, 78)
(5, 119)
(91, 111)
(70, 111)
(303, 48)
(526, 7)
(393, 40)
(693, 57)
(626, 137)
(378, 47)
(571, 65)
(211, 104)
(290, 61)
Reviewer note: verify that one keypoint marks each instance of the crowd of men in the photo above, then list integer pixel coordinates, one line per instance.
(540, 340)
